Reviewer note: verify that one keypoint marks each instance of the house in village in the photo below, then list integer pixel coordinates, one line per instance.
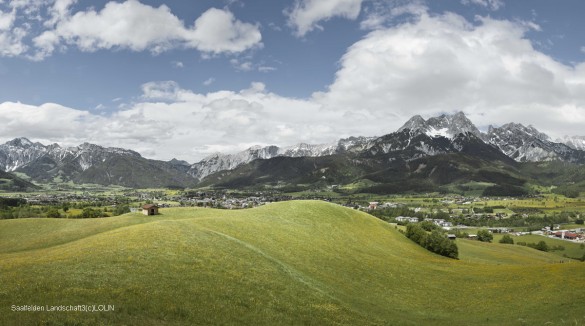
(407, 219)
(150, 209)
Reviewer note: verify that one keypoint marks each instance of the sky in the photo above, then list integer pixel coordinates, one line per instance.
(186, 79)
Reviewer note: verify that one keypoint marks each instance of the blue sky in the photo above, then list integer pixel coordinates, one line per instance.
(185, 79)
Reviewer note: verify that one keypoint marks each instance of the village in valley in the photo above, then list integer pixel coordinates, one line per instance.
(458, 216)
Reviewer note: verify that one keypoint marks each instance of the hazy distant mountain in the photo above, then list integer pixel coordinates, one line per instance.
(88, 163)
(575, 142)
(220, 162)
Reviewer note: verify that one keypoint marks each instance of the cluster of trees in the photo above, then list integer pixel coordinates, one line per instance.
(532, 223)
(504, 190)
(434, 241)
(568, 191)
(11, 202)
(28, 211)
(541, 245)
(25, 211)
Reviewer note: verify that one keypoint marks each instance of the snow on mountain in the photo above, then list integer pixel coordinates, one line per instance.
(526, 144)
(219, 162)
(355, 144)
(20, 152)
(416, 138)
(575, 142)
(447, 126)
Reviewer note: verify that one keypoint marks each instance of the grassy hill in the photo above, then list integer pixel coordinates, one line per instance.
(302, 262)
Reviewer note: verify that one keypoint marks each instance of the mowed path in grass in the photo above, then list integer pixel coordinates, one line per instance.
(299, 262)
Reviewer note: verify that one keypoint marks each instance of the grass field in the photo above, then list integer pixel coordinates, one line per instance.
(572, 249)
(302, 262)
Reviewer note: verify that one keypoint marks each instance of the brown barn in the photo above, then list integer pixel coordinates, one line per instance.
(150, 209)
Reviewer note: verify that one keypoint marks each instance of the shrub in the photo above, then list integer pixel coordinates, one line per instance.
(557, 248)
(507, 239)
(53, 213)
(484, 236)
(541, 245)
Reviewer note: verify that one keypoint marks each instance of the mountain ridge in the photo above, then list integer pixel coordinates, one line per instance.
(416, 139)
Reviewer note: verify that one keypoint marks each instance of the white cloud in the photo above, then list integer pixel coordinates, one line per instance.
(489, 4)
(11, 37)
(166, 91)
(583, 49)
(382, 13)
(209, 81)
(178, 64)
(305, 15)
(7, 20)
(266, 69)
(139, 27)
(48, 121)
(169, 121)
(219, 31)
(244, 64)
(444, 63)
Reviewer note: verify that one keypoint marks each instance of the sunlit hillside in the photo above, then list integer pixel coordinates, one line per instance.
(300, 262)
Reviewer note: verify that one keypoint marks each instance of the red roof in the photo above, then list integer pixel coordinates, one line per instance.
(149, 206)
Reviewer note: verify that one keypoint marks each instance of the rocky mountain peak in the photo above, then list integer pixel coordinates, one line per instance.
(175, 161)
(518, 130)
(526, 143)
(415, 124)
(444, 125)
(20, 142)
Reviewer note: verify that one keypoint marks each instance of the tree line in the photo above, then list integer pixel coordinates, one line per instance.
(432, 238)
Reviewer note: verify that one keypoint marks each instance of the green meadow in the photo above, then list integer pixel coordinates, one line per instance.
(298, 262)
(571, 249)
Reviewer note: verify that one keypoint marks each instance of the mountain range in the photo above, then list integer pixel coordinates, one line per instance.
(437, 151)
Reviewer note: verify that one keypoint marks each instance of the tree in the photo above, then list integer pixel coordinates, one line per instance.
(121, 209)
(428, 226)
(542, 246)
(439, 244)
(484, 236)
(507, 239)
(415, 233)
(53, 213)
(89, 212)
